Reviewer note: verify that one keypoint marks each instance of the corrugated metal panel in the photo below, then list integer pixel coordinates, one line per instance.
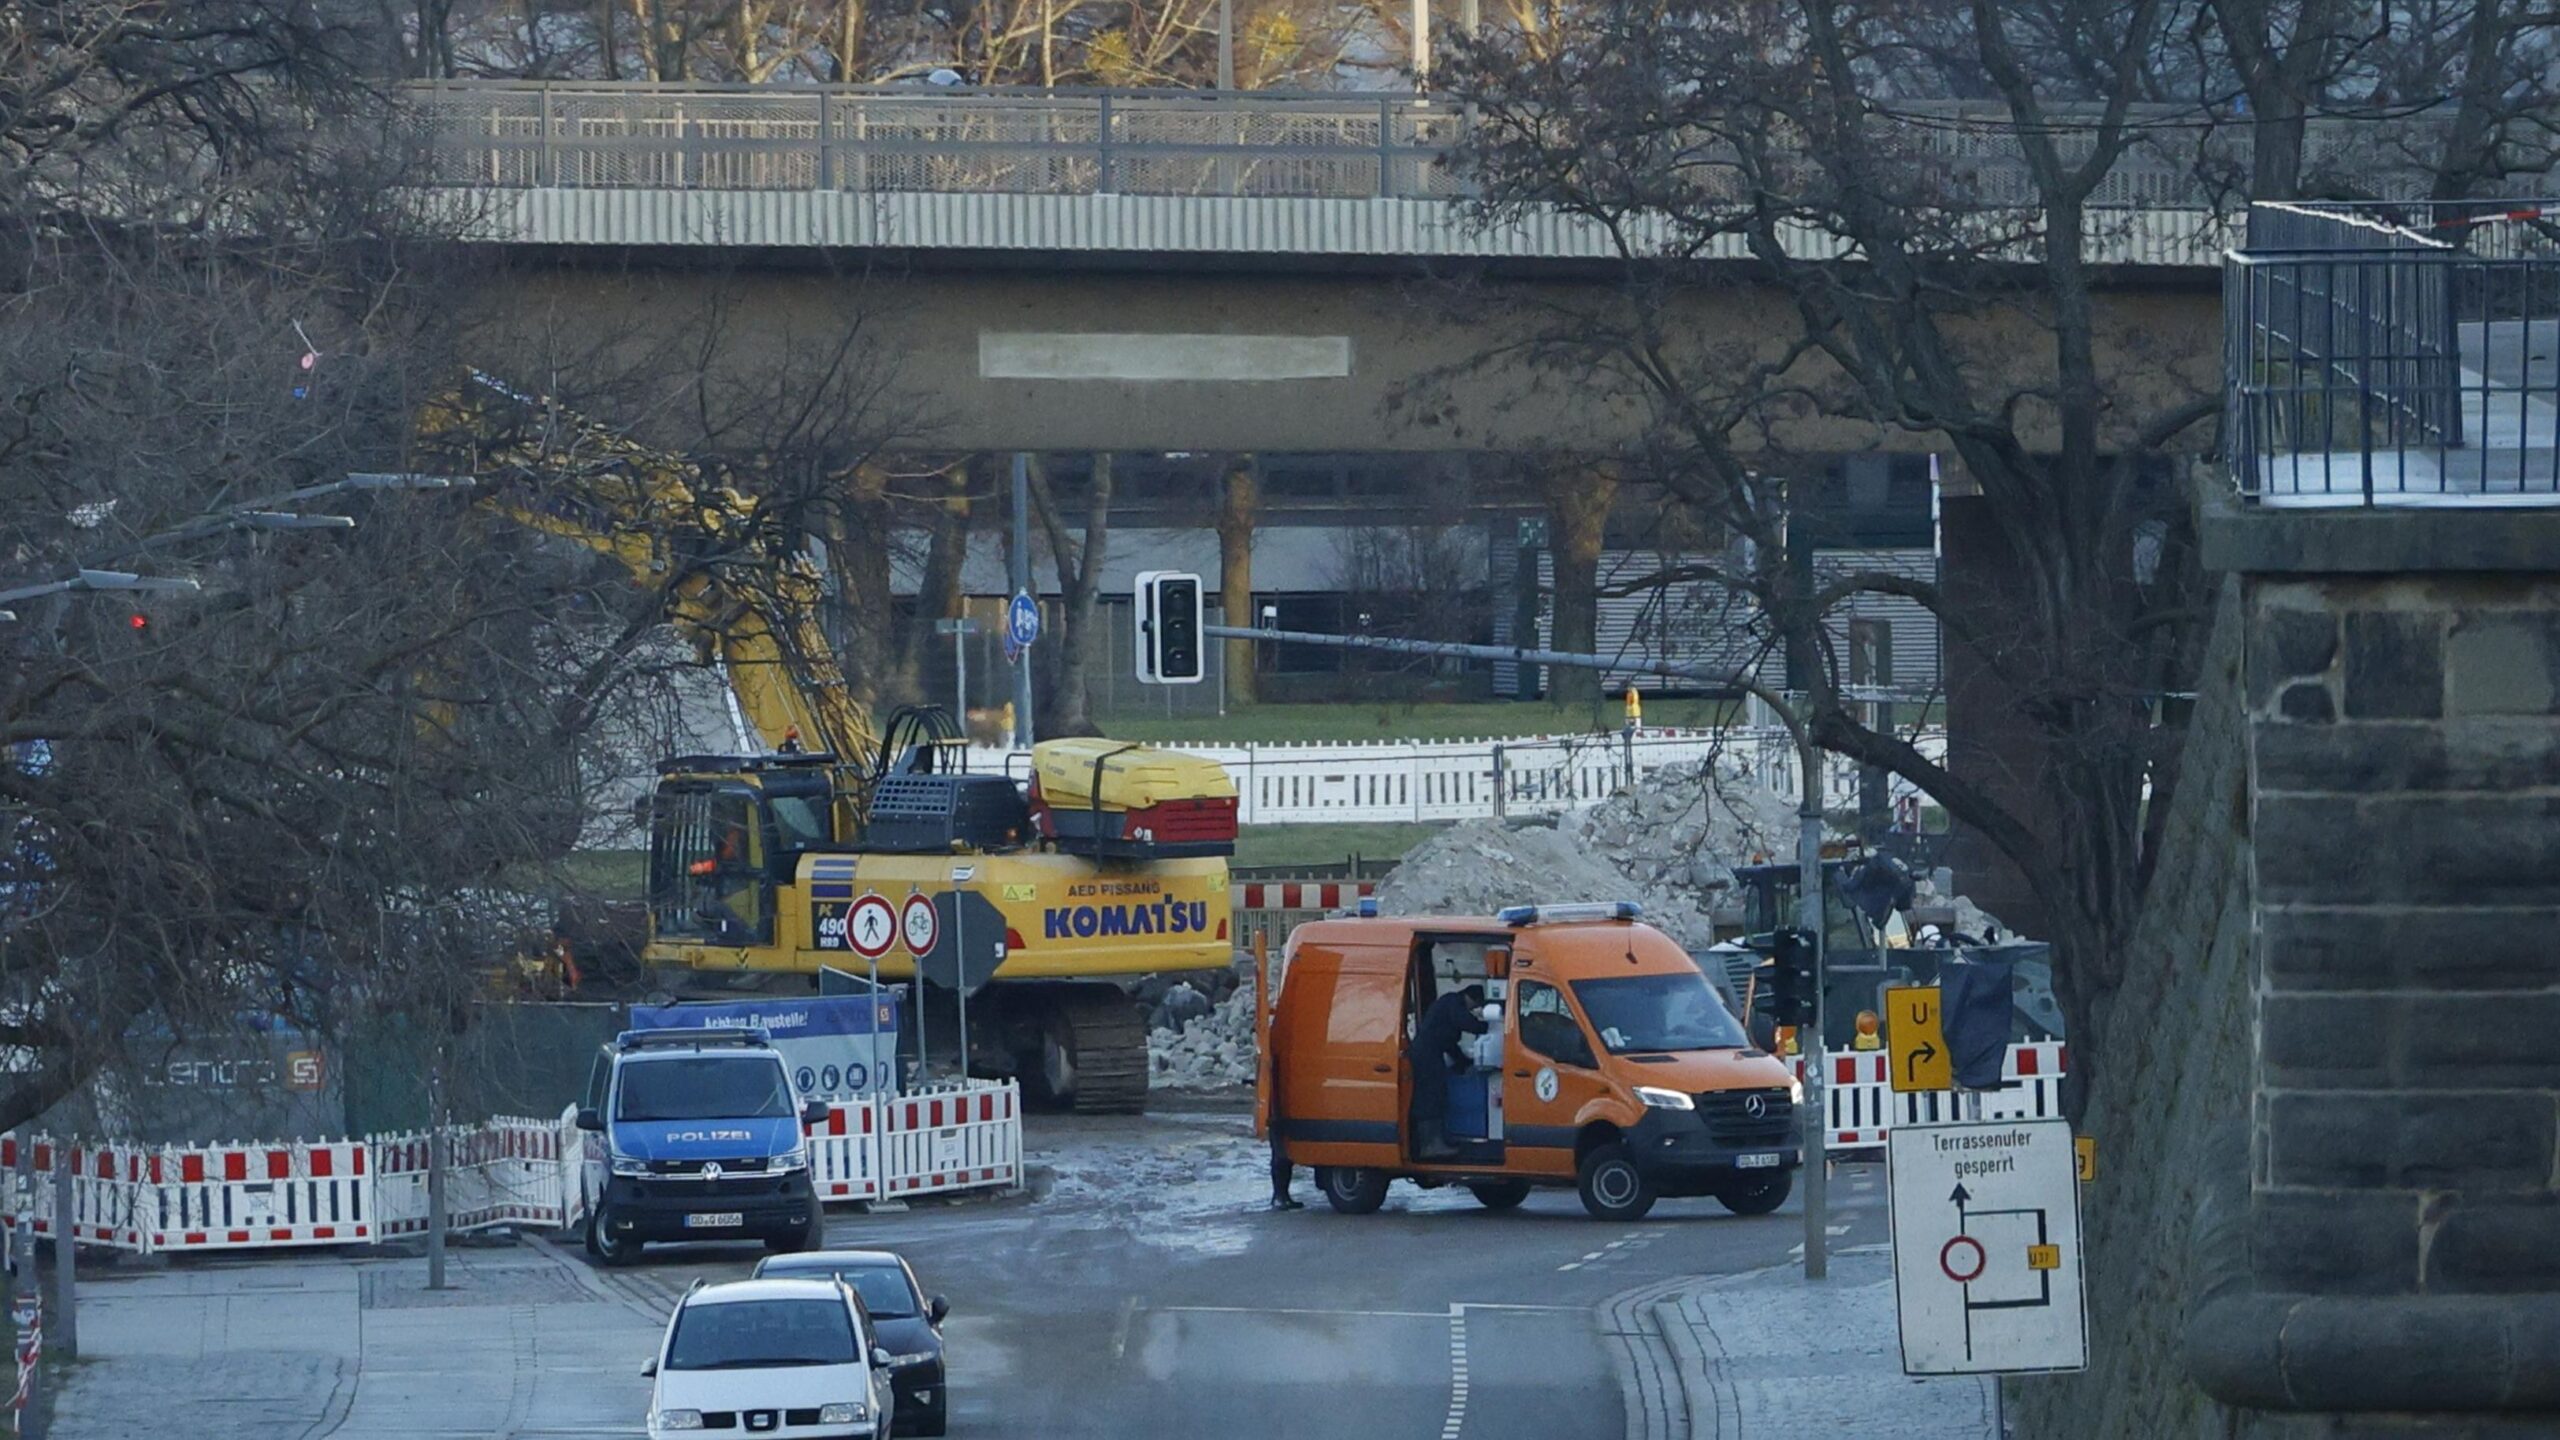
(1159, 224)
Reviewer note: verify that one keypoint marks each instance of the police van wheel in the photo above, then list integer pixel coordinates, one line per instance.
(607, 1247)
(1354, 1190)
(1612, 1187)
(1500, 1194)
(1758, 1195)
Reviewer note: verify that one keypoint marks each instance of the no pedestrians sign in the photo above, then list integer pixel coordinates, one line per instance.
(1986, 1247)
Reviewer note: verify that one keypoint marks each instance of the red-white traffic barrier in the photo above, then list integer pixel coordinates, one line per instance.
(1860, 1104)
(957, 1139)
(212, 1197)
(1301, 894)
(844, 1152)
(512, 1170)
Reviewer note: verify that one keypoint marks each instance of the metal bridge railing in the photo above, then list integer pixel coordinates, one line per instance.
(1032, 141)
(2383, 355)
(883, 139)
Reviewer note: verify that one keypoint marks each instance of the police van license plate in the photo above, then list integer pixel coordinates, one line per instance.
(717, 1220)
(1755, 1162)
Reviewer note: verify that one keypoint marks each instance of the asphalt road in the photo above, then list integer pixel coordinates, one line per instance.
(1148, 1292)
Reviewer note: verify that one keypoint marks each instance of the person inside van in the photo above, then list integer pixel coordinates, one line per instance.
(1440, 1051)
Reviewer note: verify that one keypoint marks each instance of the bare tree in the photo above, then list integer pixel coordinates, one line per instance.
(1239, 508)
(1977, 320)
(1079, 560)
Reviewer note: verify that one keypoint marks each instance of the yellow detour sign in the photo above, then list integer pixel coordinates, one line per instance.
(2085, 1147)
(1919, 1048)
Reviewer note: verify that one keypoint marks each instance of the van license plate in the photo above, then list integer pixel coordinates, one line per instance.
(721, 1220)
(1755, 1162)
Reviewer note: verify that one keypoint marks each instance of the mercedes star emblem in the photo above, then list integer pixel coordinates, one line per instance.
(1757, 1107)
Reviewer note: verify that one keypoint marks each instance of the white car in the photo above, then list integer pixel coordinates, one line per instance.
(789, 1359)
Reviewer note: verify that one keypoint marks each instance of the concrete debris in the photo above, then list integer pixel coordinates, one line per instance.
(1209, 1050)
(1670, 845)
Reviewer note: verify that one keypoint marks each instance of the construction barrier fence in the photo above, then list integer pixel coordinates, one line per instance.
(1861, 1103)
(511, 1170)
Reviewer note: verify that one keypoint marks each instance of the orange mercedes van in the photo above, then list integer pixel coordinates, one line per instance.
(1607, 1063)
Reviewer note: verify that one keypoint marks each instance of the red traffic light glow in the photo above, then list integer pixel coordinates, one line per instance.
(137, 620)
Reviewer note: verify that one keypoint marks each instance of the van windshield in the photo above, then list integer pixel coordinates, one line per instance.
(704, 1087)
(1634, 1013)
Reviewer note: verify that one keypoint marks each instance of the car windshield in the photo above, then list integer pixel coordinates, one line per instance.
(883, 1287)
(1633, 1013)
(752, 1334)
(704, 1087)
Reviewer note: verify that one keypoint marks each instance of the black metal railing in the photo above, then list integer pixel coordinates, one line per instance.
(2380, 354)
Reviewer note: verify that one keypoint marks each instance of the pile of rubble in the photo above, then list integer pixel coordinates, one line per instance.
(1670, 845)
(1197, 1045)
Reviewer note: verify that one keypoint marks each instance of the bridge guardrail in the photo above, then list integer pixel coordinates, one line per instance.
(1254, 144)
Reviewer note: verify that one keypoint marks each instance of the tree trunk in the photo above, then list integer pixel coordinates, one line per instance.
(1577, 497)
(848, 45)
(864, 604)
(1239, 506)
(938, 596)
(606, 44)
(1079, 562)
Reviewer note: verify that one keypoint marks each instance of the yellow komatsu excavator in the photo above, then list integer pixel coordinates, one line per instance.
(830, 842)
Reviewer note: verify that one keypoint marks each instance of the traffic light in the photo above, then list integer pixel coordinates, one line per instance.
(1170, 621)
(1792, 980)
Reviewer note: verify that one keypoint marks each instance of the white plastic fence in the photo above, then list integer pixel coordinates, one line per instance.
(1862, 1105)
(1373, 781)
(513, 1170)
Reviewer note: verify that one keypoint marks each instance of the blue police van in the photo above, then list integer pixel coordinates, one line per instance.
(696, 1134)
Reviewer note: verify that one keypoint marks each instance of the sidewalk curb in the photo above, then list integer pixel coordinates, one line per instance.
(1698, 1393)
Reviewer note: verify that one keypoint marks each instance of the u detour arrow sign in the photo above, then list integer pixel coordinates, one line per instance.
(1986, 1247)
(1918, 1043)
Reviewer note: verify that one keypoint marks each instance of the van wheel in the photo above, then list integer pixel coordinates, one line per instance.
(1612, 1187)
(1758, 1195)
(606, 1246)
(1500, 1194)
(1354, 1190)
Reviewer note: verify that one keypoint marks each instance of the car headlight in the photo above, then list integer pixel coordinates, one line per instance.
(679, 1419)
(919, 1357)
(625, 1165)
(852, 1412)
(1795, 1091)
(1661, 1099)
(795, 1158)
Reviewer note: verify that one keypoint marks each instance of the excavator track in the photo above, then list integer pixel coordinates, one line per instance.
(1094, 1050)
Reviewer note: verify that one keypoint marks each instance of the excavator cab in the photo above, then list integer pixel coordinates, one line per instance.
(725, 833)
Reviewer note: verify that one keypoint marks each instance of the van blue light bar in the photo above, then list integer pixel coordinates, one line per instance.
(1519, 915)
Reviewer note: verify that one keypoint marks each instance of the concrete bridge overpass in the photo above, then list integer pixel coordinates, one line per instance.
(1169, 271)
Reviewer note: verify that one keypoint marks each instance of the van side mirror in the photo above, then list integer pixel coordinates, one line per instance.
(936, 1308)
(813, 1112)
(588, 1119)
(880, 1356)
(650, 1370)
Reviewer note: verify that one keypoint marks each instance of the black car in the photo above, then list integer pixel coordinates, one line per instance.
(904, 1322)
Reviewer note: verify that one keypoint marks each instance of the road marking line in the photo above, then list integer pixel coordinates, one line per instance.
(1120, 1335)
(1570, 1265)
(1265, 1310)
(1457, 1417)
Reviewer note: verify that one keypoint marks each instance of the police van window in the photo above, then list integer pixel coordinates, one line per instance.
(599, 1076)
(1548, 1027)
(708, 1087)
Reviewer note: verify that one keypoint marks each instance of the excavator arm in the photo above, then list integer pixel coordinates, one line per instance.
(734, 585)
